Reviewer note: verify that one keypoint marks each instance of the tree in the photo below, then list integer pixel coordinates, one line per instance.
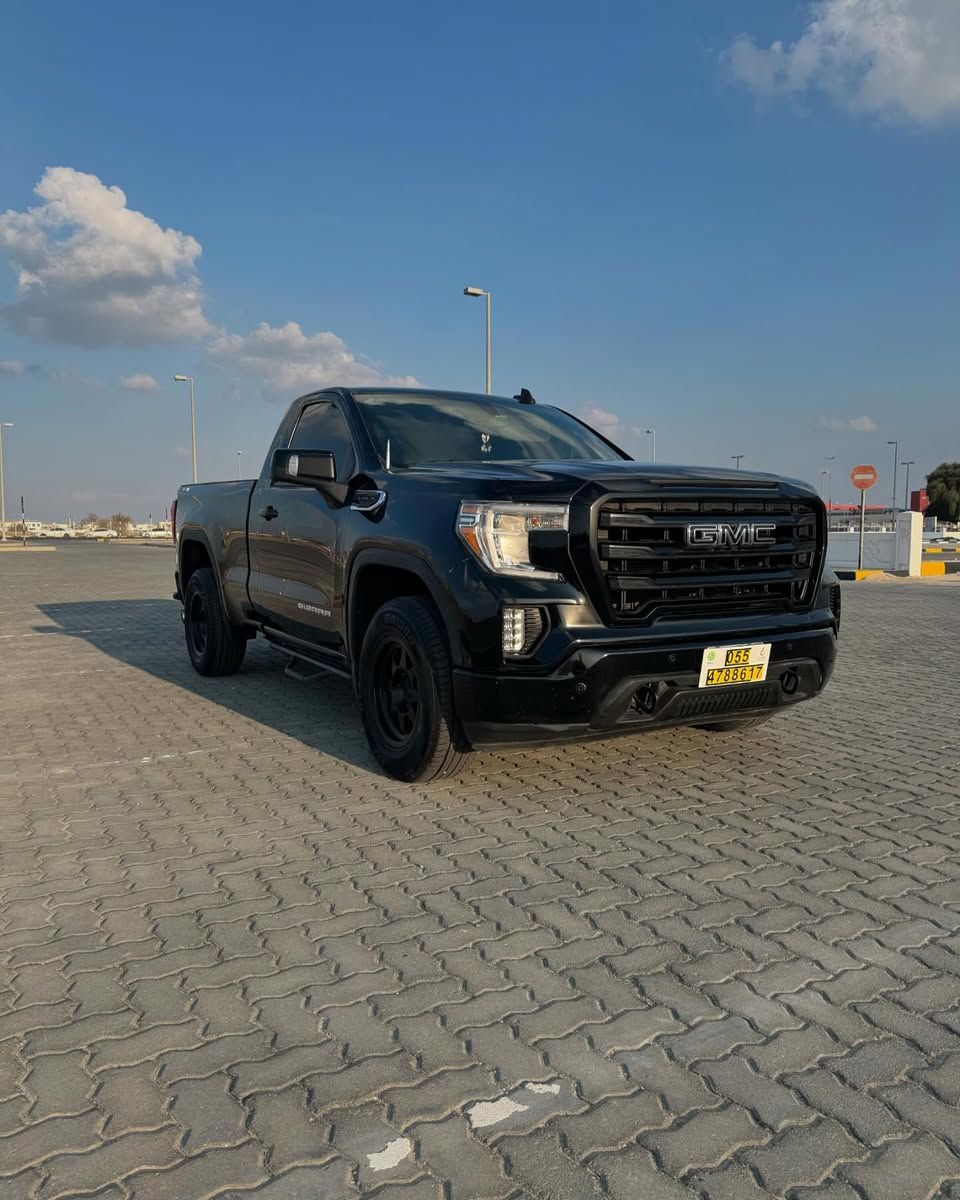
(120, 523)
(93, 520)
(943, 491)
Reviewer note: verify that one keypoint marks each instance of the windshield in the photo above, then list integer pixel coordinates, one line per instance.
(424, 429)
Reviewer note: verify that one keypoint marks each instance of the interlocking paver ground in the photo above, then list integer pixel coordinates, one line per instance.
(236, 960)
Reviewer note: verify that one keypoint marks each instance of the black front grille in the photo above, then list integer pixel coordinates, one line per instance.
(651, 571)
(725, 700)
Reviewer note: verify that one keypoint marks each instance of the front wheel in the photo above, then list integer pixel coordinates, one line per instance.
(406, 693)
(215, 646)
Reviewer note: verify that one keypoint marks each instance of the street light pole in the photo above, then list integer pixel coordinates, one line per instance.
(3, 500)
(906, 490)
(193, 420)
(896, 452)
(239, 452)
(738, 458)
(653, 444)
(475, 291)
(829, 459)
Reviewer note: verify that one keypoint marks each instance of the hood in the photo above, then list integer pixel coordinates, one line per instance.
(553, 478)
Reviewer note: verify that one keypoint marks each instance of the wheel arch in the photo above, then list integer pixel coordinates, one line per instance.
(390, 575)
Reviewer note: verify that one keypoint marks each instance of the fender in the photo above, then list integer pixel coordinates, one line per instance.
(404, 561)
(198, 535)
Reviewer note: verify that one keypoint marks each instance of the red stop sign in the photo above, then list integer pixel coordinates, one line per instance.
(863, 477)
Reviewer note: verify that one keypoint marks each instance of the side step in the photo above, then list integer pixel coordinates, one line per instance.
(304, 671)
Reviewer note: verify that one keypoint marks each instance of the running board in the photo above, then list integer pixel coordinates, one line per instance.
(303, 670)
(315, 665)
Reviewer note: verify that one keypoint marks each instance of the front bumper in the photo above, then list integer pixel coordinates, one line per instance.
(600, 690)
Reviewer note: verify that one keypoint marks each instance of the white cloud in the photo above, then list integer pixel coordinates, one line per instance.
(862, 424)
(604, 422)
(12, 366)
(91, 271)
(139, 383)
(288, 361)
(886, 57)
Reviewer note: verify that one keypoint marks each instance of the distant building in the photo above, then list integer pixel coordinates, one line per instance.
(919, 500)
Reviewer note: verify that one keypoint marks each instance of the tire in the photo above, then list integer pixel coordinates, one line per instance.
(736, 724)
(215, 646)
(406, 693)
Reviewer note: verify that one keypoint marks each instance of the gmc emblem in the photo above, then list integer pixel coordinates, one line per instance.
(746, 533)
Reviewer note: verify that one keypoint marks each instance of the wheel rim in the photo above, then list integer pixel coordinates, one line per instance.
(197, 624)
(397, 693)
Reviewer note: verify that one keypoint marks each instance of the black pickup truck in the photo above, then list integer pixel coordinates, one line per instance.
(491, 571)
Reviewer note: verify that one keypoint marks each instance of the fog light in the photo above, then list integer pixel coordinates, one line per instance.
(521, 630)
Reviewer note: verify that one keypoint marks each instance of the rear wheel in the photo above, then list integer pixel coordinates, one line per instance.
(737, 724)
(215, 646)
(406, 693)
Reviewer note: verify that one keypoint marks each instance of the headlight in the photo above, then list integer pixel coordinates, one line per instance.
(499, 534)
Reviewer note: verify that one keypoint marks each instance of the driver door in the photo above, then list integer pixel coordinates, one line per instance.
(298, 535)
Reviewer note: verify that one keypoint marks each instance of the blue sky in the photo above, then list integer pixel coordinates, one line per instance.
(734, 222)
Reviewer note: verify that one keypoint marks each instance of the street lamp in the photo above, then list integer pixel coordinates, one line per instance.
(653, 444)
(829, 459)
(239, 452)
(896, 451)
(906, 491)
(3, 500)
(475, 291)
(738, 458)
(193, 419)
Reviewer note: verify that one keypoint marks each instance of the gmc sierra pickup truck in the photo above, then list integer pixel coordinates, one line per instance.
(491, 571)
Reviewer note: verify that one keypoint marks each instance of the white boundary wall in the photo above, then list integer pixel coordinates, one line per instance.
(893, 551)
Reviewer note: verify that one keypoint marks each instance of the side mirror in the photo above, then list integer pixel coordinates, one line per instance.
(309, 468)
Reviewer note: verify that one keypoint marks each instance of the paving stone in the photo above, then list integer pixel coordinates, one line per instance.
(289, 1021)
(439, 1094)
(868, 1119)
(793, 1050)
(58, 1085)
(878, 1062)
(286, 1067)
(208, 1112)
(284, 1122)
(803, 1155)
(680, 1089)
(38, 1142)
(730, 1182)
(632, 1173)
(69, 1174)
(513, 1062)
(924, 1111)
(905, 1170)
(216, 1171)
(131, 1099)
(380, 1154)
(611, 1124)
(769, 1102)
(472, 1171)
(328, 1182)
(705, 1140)
(542, 1169)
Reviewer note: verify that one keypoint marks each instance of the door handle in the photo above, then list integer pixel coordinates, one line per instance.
(268, 513)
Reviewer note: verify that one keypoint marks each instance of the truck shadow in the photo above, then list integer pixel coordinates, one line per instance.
(321, 712)
(147, 634)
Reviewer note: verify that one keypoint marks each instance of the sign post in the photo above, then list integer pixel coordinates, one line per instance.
(863, 477)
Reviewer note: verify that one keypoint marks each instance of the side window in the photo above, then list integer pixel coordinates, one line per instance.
(322, 427)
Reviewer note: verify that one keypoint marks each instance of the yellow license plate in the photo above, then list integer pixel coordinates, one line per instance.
(725, 665)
